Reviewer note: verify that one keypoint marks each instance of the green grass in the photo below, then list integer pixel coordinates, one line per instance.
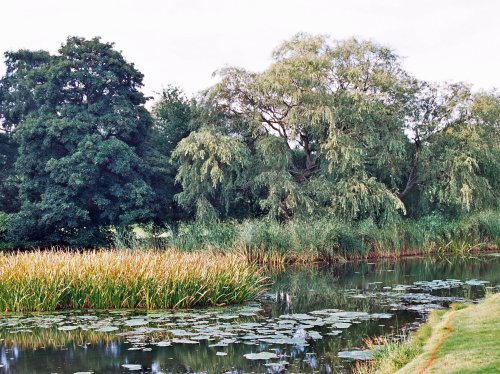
(463, 340)
(52, 280)
(330, 239)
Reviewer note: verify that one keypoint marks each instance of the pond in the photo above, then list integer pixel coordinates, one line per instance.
(311, 320)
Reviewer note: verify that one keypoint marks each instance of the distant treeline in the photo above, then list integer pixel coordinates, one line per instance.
(335, 131)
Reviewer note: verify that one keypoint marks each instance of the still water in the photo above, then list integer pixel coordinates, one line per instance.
(309, 320)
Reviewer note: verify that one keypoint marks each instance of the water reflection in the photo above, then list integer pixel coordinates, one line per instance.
(103, 342)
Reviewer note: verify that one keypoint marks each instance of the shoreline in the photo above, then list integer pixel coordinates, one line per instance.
(440, 344)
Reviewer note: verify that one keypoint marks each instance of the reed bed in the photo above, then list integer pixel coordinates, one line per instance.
(54, 279)
(330, 240)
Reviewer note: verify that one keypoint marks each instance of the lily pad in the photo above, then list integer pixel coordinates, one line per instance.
(132, 367)
(475, 282)
(356, 355)
(184, 341)
(164, 343)
(342, 325)
(260, 356)
(136, 322)
(68, 328)
(107, 329)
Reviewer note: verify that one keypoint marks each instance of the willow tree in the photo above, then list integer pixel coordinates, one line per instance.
(460, 165)
(211, 167)
(337, 109)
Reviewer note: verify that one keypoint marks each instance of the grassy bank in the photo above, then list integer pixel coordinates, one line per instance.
(51, 280)
(327, 239)
(464, 339)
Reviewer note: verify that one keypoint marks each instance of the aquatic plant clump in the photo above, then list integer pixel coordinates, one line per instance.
(53, 280)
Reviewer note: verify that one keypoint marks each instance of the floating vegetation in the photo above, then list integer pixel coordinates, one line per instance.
(303, 325)
(356, 355)
(53, 280)
(260, 356)
(132, 367)
(247, 325)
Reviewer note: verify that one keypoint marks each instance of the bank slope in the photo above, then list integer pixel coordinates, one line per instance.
(465, 339)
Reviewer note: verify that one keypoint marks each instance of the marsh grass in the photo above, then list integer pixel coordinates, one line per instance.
(331, 240)
(52, 280)
(396, 355)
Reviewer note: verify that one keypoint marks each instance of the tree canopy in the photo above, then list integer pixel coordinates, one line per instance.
(80, 124)
(330, 129)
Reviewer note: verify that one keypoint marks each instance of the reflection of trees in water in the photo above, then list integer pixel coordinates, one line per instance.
(306, 289)
(296, 290)
(53, 338)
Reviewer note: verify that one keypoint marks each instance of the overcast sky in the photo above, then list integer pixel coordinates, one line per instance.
(182, 42)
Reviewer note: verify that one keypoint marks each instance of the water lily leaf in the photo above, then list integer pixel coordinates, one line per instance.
(314, 335)
(381, 315)
(325, 311)
(249, 325)
(132, 367)
(341, 325)
(260, 356)
(277, 366)
(184, 341)
(334, 332)
(223, 343)
(229, 316)
(107, 329)
(136, 322)
(350, 315)
(356, 355)
(200, 337)
(164, 343)
(67, 328)
(475, 282)
(297, 316)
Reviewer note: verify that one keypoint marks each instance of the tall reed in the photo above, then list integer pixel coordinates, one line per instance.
(51, 280)
(328, 239)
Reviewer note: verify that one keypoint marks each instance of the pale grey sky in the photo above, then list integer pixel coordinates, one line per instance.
(182, 42)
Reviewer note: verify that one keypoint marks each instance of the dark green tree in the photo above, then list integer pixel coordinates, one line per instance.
(9, 202)
(17, 99)
(81, 139)
(171, 123)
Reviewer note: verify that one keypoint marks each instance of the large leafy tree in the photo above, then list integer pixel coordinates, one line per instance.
(461, 164)
(81, 126)
(9, 202)
(172, 122)
(454, 154)
(326, 119)
(339, 128)
(16, 101)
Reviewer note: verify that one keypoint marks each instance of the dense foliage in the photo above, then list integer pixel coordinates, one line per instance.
(335, 131)
(80, 162)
